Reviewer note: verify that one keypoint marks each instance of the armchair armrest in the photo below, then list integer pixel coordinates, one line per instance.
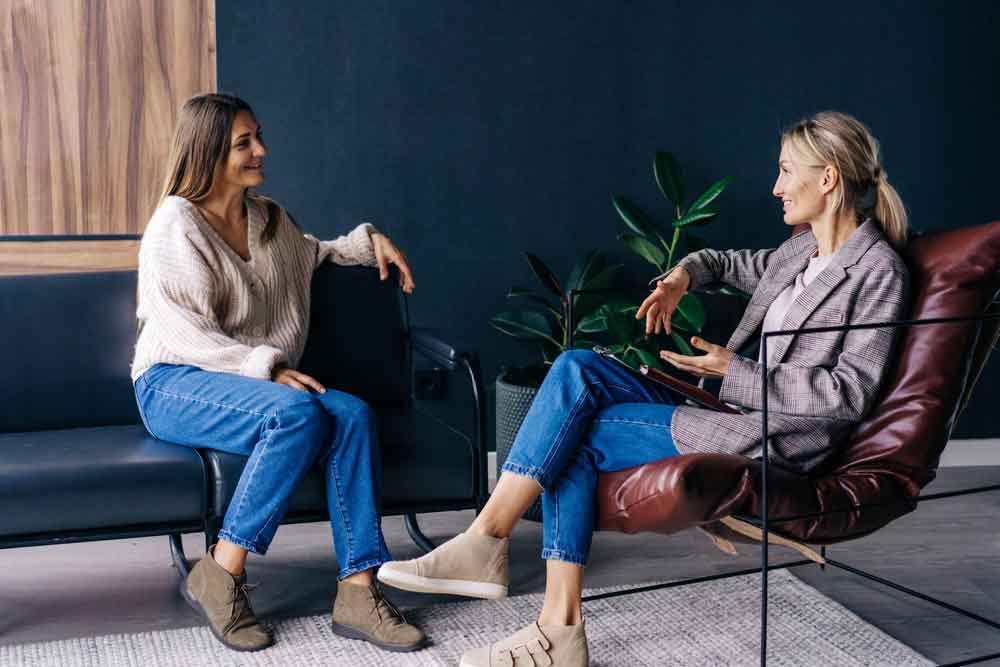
(428, 342)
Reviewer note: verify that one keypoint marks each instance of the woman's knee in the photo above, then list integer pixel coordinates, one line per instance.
(573, 359)
(348, 412)
(304, 416)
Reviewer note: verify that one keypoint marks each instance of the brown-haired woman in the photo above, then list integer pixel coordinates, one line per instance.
(224, 278)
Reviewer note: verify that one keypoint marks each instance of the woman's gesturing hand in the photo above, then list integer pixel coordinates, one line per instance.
(713, 364)
(385, 254)
(296, 380)
(659, 306)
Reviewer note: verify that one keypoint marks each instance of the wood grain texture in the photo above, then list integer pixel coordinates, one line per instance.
(89, 92)
(30, 257)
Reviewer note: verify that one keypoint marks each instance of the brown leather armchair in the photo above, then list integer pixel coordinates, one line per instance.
(891, 455)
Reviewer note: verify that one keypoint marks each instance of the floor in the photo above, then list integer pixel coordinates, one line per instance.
(946, 548)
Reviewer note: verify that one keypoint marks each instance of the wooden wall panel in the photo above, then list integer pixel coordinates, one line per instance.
(89, 92)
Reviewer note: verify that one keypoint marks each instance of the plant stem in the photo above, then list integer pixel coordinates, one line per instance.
(673, 244)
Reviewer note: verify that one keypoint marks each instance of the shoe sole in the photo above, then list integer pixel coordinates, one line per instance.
(201, 612)
(353, 633)
(418, 584)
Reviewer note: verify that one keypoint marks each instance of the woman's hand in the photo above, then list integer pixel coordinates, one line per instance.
(385, 254)
(296, 380)
(713, 364)
(659, 306)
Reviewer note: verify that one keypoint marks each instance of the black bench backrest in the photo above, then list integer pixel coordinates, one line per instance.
(65, 350)
(68, 341)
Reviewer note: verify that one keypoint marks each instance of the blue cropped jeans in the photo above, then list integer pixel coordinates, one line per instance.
(590, 415)
(284, 431)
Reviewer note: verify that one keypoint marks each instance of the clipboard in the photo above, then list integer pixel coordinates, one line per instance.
(692, 392)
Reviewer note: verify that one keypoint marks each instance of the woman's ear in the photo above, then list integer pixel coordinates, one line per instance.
(828, 181)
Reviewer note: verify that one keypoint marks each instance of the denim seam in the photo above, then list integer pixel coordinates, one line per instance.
(249, 545)
(256, 465)
(361, 567)
(532, 472)
(631, 420)
(343, 513)
(556, 444)
(192, 399)
(556, 554)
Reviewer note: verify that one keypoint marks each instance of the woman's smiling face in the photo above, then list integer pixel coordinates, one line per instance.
(798, 188)
(244, 168)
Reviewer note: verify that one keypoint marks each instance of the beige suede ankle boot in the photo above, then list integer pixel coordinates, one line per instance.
(221, 599)
(362, 612)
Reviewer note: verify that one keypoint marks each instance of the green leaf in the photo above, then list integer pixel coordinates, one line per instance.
(631, 358)
(617, 349)
(521, 292)
(681, 343)
(621, 325)
(605, 278)
(633, 217)
(524, 324)
(646, 356)
(592, 323)
(709, 195)
(691, 309)
(550, 351)
(696, 218)
(644, 249)
(545, 275)
(587, 266)
(668, 176)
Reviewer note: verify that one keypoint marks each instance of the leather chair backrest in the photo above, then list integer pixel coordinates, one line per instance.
(65, 350)
(358, 335)
(954, 273)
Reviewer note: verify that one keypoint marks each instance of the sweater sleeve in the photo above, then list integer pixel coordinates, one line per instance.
(176, 292)
(847, 389)
(354, 248)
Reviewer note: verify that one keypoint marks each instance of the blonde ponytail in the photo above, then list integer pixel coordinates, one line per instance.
(838, 139)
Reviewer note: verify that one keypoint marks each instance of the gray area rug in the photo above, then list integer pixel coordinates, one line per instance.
(712, 623)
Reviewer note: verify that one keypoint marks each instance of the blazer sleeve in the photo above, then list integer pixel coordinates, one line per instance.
(176, 292)
(741, 269)
(848, 389)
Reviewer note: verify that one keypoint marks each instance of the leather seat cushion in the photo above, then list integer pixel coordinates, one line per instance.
(78, 479)
(424, 465)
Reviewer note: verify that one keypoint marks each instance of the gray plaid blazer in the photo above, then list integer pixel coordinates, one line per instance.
(821, 384)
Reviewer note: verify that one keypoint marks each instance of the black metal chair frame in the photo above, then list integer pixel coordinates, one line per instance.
(764, 522)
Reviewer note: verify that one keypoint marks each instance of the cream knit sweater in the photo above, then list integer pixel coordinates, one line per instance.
(200, 304)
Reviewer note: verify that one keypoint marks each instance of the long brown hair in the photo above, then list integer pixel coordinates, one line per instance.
(838, 139)
(201, 144)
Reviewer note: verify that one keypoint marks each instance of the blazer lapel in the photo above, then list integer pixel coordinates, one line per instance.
(790, 259)
(821, 287)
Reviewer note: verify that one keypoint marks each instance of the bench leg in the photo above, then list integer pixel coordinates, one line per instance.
(177, 555)
(417, 535)
(212, 527)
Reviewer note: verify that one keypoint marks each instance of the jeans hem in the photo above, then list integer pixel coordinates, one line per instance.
(565, 556)
(361, 567)
(534, 473)
(240, 542)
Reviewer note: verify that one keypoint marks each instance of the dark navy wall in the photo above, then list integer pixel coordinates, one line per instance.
(470, 130)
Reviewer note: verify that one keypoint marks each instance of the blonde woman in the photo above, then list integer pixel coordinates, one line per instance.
(591, 415)
(224, 280)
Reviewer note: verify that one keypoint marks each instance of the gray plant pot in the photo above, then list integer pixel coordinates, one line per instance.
(513, 402)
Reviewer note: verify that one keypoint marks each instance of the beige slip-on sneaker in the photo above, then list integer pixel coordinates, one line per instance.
(468, 564)
(534, 645)
(222, 600)
(362, 612)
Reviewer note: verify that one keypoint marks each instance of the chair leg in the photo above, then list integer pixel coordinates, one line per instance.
(177, 555)
(212, 527)
(417, 535)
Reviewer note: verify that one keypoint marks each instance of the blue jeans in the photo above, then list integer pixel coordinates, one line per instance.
(284, 431)
(590, 415)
